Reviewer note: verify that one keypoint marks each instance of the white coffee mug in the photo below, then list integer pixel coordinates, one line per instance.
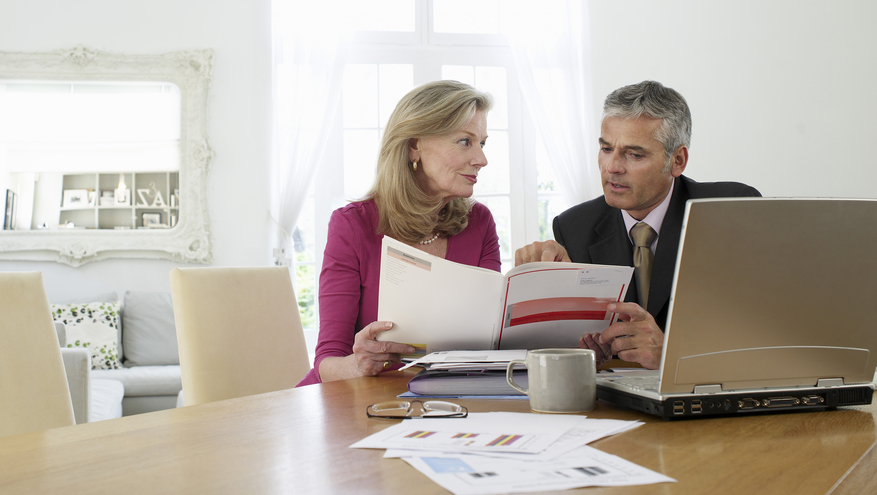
(560, 380)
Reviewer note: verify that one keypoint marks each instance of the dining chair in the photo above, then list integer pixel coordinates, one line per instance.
(238, 331)
(33, 384)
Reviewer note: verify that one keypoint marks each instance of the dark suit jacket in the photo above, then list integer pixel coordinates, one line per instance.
(594, 232)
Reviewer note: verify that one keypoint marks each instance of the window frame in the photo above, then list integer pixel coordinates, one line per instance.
(427, 51)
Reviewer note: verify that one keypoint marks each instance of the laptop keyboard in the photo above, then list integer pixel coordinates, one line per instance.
(635, 383)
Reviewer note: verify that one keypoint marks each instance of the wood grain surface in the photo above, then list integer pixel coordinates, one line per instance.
(297, 441)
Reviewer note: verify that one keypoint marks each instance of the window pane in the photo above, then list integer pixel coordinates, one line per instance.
(396, 80)
(361, 95)
(549, 207)
(499, 207)
(551, 203)
(303, 235)
(384, 15)
(305, 293)
(360, 157)
(546, 181)
(494, 178)
(462, 73)
(494, 81)
(466, 16)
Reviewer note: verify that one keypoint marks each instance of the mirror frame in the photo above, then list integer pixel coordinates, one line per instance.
(189, 240)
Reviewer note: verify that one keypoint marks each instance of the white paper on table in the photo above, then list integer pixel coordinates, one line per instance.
(469, 357)
(464, 474)
(589, 430)
(479, 432)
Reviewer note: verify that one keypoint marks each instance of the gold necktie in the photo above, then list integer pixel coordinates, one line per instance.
(643, 236)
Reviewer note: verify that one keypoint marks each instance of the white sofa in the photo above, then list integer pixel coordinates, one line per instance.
(150, 372)
(93, 399)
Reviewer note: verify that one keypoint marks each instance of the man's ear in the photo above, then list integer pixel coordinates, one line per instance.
(678, 160)
(413, 150)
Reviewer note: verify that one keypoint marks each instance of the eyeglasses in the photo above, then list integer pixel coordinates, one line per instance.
(400, 409)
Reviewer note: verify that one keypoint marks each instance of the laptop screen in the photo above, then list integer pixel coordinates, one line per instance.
(772, 293)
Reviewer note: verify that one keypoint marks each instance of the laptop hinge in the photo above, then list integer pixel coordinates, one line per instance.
(830, 382)
(707, 389)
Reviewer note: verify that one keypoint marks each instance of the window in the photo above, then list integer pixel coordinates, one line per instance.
(425, 41)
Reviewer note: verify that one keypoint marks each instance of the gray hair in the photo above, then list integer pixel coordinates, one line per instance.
(652, 99)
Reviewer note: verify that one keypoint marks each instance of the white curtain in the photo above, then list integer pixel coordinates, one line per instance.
(551, 47)
(310, 42)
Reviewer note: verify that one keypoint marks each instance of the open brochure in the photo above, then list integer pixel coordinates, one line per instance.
(436, 304)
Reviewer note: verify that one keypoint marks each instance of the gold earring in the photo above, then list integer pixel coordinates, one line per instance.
(414, 165)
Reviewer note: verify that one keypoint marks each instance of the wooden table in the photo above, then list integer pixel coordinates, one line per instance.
(296, 441)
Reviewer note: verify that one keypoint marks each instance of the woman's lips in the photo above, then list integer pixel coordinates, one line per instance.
(471, 178)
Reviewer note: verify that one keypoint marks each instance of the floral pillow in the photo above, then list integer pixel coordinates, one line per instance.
(93, 326)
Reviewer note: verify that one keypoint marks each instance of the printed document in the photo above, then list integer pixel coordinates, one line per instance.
(463, 474)
(436, 304)
(502, 452)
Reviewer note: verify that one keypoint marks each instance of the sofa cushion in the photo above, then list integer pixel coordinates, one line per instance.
(149, 335)
(105, 297)
(93, 326)
(106, 400)
(145, 380)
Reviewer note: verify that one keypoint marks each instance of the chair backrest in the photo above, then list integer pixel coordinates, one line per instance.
(33, 385)
(239, 332)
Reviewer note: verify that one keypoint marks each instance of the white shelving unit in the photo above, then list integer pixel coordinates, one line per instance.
(154, 194)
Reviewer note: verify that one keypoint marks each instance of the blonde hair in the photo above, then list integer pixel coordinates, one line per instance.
(406, 212)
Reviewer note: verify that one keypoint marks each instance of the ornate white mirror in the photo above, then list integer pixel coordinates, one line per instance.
(104, 155)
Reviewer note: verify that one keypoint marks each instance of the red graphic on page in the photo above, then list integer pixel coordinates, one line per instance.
(559, 308)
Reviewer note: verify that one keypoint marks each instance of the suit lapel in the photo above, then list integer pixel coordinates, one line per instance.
(668, 247)
(613, 246)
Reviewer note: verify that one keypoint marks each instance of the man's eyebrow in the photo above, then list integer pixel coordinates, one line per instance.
(638, 149)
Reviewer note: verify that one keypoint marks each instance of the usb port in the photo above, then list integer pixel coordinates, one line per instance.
(679, 407)
(696, 406)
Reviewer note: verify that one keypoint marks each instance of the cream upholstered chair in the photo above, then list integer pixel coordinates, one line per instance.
(33, 385)
(239, 332)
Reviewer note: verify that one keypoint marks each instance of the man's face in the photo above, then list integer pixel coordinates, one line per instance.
(632, 164)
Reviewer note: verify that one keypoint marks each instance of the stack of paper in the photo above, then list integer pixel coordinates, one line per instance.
(503, 452)
(456, 374)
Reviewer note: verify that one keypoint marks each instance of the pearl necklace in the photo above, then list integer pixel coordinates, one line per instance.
(433, 238)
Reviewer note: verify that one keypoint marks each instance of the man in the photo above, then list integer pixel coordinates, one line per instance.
(644, 140)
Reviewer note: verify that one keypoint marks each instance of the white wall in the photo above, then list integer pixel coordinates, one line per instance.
(783, 93)
(237, 185)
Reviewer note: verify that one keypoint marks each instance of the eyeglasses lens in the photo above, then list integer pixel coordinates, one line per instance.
(415, 408)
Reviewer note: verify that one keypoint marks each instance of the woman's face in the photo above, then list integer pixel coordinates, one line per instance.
(447, 166)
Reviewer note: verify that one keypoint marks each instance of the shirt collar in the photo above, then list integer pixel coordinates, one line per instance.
(654, 219)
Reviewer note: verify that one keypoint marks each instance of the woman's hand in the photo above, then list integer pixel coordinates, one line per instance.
(371, 357)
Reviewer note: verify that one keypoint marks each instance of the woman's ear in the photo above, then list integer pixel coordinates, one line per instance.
(413, 150)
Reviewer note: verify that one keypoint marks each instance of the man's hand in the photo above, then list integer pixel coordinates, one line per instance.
(636, 338)
(541, 251)
(602, 352)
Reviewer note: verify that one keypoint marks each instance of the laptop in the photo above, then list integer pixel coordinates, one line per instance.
(770, 310)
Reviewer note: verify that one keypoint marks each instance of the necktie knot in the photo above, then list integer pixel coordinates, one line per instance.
(643, 235)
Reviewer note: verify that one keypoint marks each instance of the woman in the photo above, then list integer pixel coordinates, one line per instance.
(429, 161)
